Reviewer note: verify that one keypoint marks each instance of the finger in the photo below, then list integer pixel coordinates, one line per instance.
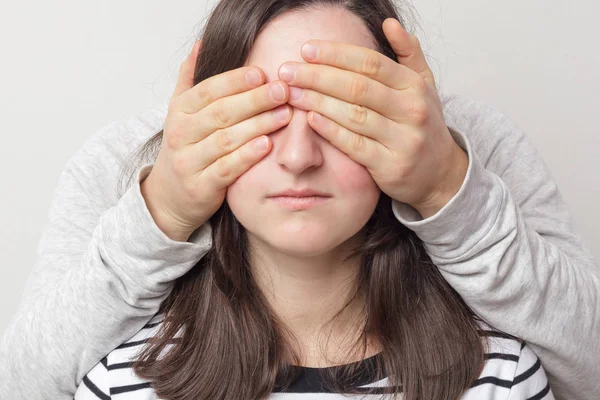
(359, 148)
(227, 169)
(231, 110)
(359, 119)
(408, 49)
(186, 72)
(219, 86)
(358, 59)
(225, 141)
(345, 85)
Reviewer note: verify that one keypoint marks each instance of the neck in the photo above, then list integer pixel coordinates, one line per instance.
(306, 292)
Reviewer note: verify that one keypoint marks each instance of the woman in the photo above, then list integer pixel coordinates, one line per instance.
(105, 267)
(292, 283)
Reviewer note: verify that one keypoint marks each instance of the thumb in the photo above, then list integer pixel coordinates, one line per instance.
(185, 81)
(408, 49)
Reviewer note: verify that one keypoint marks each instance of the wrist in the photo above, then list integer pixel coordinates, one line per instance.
(451, 184)
(162, 220)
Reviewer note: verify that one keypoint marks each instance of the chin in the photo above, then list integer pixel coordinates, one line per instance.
(301, 243)
(302, 248)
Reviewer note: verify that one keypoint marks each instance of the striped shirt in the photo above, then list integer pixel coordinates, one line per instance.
(512, 371)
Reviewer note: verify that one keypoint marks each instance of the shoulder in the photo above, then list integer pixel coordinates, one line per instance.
(511, 370)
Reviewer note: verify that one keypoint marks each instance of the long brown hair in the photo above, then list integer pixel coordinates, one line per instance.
(231, 345)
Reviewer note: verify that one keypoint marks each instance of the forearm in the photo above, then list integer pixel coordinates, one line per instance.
(96, 282)
(517, 277)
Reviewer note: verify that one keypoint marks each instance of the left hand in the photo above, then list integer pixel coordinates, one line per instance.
(384, 115)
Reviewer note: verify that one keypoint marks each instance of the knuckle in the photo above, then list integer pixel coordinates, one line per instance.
(220, 115)
(420, 85)
(401, 171)
(223, 169)
(358, 114)
(419, 112)
(176, 134)
(204, 94)
(371, 64)
(358, 143)
(358, 90)
(224, 140)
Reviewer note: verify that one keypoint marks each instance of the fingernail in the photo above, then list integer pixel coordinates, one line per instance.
(277, 92)
(287, 72)
(260, 144)
(253, 78)
(282, 113)
(309, 51)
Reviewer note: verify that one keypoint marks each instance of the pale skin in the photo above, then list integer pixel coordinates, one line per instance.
(384, 131)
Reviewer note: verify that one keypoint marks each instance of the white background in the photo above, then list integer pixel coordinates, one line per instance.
(69, 68)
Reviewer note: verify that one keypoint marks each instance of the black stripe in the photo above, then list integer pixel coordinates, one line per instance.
(541, 394)
(493, 380)
(94, 389)
(123, 365)
(522, 345)
(151, 325)
(104, 362)
(502, 356)
(129, 388)
(528, 373)
(132, 344)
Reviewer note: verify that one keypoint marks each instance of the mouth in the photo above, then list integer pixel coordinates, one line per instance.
(299, 203)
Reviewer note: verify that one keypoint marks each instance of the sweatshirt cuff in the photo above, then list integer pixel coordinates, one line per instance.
(466, 218)
(142, 252)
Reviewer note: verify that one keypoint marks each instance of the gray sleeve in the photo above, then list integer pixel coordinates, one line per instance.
(102, 271)
(506, 244)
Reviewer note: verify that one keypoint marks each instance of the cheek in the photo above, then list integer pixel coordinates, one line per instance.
(245, 188)
(353, 178)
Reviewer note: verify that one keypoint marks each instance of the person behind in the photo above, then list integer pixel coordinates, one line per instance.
(330, 281)
(504, 242)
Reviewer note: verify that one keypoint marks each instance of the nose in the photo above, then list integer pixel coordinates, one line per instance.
(297, 146)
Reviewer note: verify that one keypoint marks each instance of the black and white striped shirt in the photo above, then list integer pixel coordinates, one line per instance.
(512, 371)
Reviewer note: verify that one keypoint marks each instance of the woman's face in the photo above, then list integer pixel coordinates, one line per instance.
(300, 157)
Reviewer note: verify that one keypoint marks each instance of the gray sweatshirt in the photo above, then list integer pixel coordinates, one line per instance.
(504, 242)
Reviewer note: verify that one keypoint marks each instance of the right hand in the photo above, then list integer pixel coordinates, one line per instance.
(211, 137)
